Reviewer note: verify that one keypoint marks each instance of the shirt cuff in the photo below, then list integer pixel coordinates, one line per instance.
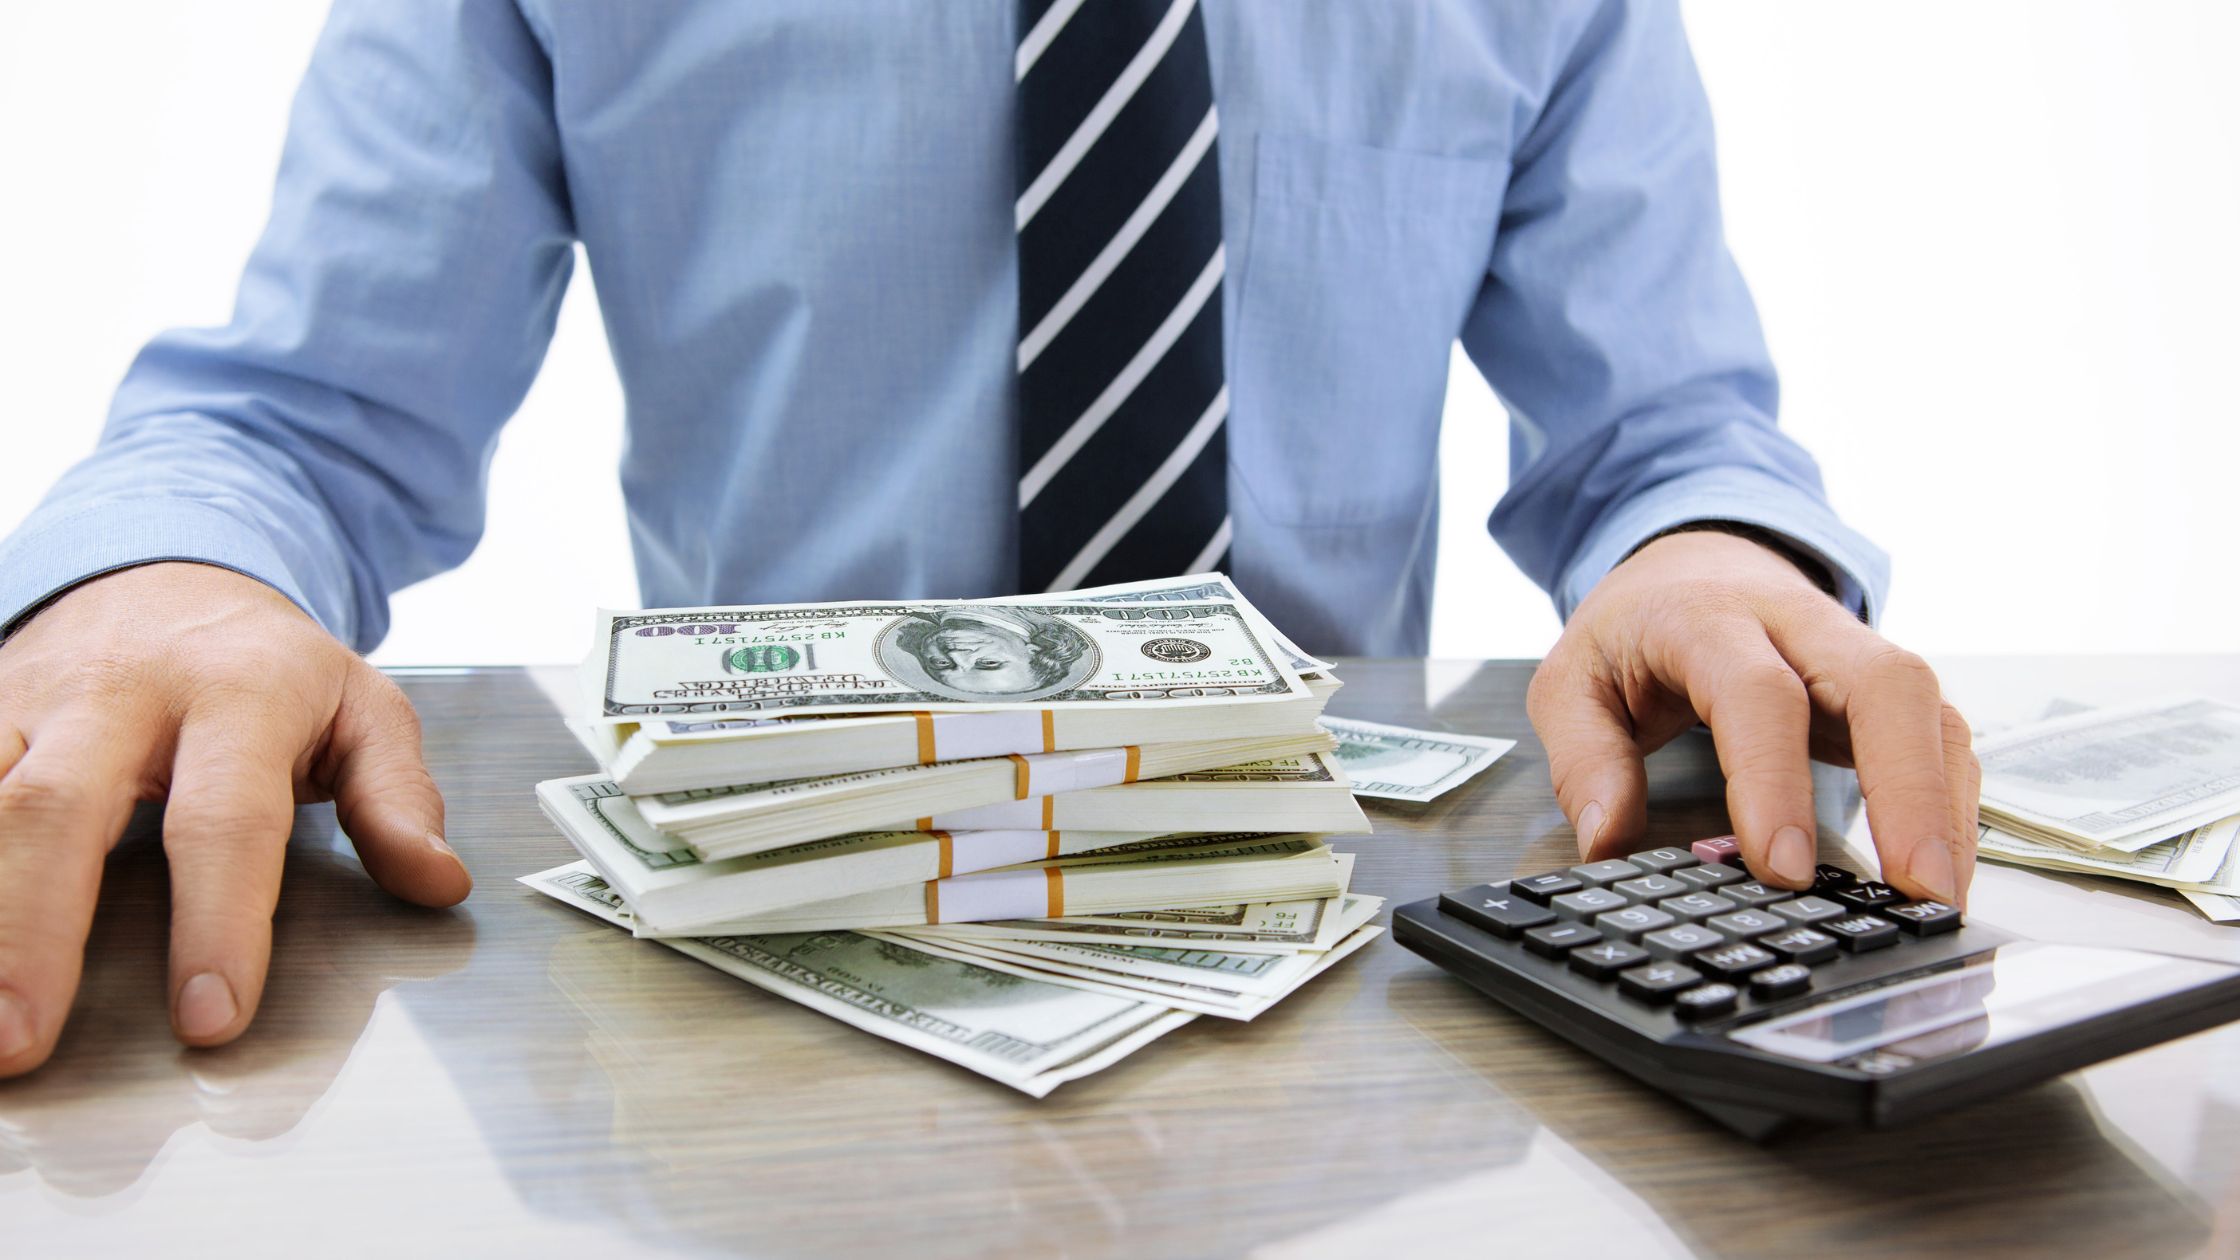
(51, 554)
(1746, 495)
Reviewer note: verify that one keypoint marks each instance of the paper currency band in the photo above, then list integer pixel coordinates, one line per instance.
(963, 852)
(1052, 773)
(967, 736)
(1035, 894)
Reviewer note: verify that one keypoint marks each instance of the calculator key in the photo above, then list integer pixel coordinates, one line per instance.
(1752, 893)
(1649, 888)
(1718, 849)
(1697, 906)
(1733, 961)
(1496, 909)
(1923, 918)
(1599, 874)
(1587, 903)
(1632, 922)
(1604, 960)
(1662, 861)
(1545, 888)
(1807, 910)
(1558, 939)
(1800, 945)
(1861, 933)
(1867, 895)
(1658, 982)
(1829, 875)
(1682, 940)
(1786, 980)
(1705, 878)
(1705, 1001)
(1747, 923)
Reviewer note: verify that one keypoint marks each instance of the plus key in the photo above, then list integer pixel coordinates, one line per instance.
(1496, 909)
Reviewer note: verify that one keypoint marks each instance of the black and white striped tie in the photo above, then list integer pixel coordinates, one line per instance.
(1123, 462)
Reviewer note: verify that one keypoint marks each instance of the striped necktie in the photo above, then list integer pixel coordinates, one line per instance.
(1123, 462)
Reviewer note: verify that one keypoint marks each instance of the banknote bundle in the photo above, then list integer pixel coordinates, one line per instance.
(1123, 784)
(2149, 793)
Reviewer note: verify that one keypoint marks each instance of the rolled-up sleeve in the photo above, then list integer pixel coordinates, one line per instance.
(1619, 335)
(334, 439)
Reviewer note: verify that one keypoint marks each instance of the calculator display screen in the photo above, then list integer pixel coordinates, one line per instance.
(2020, 990)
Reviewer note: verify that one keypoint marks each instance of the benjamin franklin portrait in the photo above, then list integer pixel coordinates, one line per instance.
(987, 653)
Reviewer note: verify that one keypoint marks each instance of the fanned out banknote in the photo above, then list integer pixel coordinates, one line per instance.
(1399, 763)
(1031, 1024)
(2148, 793)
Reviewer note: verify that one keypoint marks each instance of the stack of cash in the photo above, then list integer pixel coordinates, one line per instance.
(2148, 793)
(1144, 763)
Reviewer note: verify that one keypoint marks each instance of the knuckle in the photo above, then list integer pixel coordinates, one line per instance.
(1893, 665)
(43, 792)
(225, 820)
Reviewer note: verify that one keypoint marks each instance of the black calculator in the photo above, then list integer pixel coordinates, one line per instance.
(1847, 1003)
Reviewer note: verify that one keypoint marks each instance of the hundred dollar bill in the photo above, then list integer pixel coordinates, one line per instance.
(2191, 859)
(2115, 778)
(772, 660)
(1188, 588)
(1028, 1034)
(1269, 927)
(1396, 763)
(1246, 975)
(1203, 999)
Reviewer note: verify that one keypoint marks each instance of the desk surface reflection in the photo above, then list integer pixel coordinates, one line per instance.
(510, 1078)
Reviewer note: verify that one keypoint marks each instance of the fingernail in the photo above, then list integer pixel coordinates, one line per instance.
(1930, 867)
(206, 1005)
(435, 842)
(1791, 856)
(15, 1026)
(1590, 826)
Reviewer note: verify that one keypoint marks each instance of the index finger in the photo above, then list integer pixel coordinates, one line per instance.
(61, 807)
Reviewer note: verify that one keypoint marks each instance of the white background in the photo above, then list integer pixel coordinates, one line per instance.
(1993, 244)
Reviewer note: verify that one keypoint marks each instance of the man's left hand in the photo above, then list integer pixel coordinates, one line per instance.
(1712, 626)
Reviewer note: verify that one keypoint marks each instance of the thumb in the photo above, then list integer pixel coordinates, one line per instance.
(1592, 757)
(385, 798)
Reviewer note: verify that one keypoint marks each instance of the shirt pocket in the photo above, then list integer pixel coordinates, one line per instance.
(1362, 264)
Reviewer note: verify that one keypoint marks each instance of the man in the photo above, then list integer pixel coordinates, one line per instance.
(1000, 263)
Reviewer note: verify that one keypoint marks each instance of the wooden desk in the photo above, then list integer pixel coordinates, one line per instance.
(509, 1078)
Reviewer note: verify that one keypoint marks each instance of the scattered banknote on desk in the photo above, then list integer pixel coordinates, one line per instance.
(2148, 793)
(1026, 835)
(1396, 763)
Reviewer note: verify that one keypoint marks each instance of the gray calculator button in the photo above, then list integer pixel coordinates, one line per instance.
(1806, 911)
(1752, 893)
(1662, 861)
(1649, 888)
(1587, 903)
(1681, 940)
(1745, 922)
(1632, 922)
(1696, 907)
(1598, 874)
(1709, 875)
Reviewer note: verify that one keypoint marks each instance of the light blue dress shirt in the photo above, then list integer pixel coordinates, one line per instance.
(799, 216)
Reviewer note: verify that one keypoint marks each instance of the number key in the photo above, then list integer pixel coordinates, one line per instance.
(1696, 907)
(1754, 893)
(1707, 877)
(1807, 910)
(1681, 941)
(1662, 861)
(1747, 923)
(1649, 888)
(1630, 923)
(1587, 903)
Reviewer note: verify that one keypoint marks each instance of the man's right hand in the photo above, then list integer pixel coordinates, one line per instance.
(195, 685)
